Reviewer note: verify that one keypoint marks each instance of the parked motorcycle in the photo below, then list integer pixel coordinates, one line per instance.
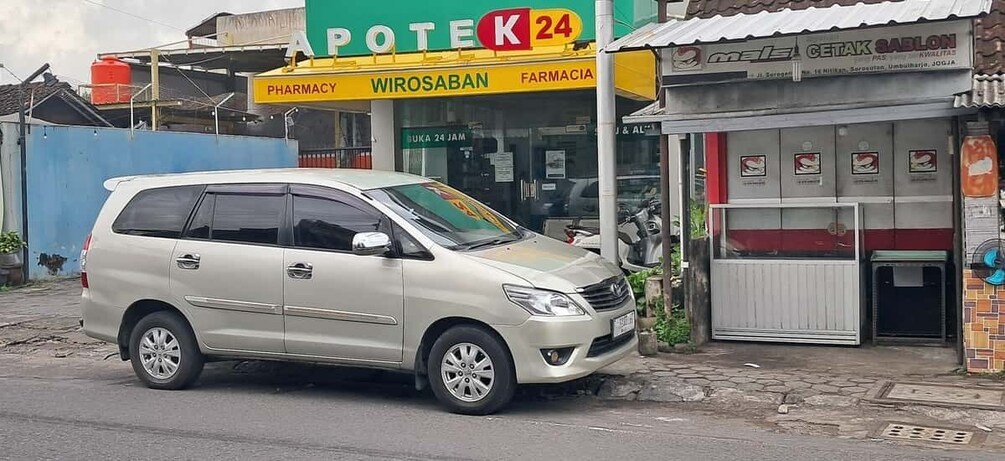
(639, 243)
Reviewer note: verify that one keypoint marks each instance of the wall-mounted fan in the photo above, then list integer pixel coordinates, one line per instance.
(989, 262)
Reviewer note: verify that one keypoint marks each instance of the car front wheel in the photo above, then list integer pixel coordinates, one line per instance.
(471, 372)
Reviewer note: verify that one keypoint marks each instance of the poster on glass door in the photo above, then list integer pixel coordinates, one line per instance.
(503, 162)
(554, 164)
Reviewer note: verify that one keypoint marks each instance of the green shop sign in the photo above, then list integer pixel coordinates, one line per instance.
(447, 136)
(354, 28)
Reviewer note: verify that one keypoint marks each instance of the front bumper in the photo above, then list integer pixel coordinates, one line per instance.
(589, 336)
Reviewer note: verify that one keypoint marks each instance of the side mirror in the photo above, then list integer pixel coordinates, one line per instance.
(370, 243)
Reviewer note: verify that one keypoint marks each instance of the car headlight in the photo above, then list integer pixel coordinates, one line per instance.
(542, 302)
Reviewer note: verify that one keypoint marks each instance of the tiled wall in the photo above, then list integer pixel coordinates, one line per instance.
(983, 325)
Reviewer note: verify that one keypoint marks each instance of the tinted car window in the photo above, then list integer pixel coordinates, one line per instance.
(329, 224)
(158, 212)
(408, 247)
(248, 218)
(203, 219)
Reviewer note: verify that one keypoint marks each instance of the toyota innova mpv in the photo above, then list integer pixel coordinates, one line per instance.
(345, 267)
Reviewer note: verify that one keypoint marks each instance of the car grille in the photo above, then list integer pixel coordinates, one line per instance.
(609, 294)
(605, 344)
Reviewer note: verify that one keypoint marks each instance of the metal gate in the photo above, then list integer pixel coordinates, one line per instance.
(343, 157)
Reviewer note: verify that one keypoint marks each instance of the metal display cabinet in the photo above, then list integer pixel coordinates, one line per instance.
(909, 296)
(764, 292)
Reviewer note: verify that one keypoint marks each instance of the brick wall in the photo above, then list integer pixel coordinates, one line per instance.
(983, 325)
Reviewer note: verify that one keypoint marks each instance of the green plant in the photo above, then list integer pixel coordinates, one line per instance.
(699, 219)
(11, 242)
(675, 261)
(674, 329)
(638, 279)
(698, 214)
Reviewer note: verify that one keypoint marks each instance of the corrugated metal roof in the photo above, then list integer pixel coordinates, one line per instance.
(788, 22)
(989, 91)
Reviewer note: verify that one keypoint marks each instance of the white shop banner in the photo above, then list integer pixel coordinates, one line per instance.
(909, 48)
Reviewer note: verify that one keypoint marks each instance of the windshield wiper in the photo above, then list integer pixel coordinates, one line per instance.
(493, 242)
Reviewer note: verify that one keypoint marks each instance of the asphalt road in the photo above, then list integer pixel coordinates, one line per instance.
(94, 409)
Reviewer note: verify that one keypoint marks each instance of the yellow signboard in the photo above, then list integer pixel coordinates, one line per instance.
(418, 83)
(637, 79)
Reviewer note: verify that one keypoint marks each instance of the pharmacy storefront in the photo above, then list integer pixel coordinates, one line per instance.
(496, 99)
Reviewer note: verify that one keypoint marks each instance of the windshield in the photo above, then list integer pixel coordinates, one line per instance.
(447, 216)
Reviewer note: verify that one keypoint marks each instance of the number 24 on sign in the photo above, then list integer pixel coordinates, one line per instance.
(524, 28)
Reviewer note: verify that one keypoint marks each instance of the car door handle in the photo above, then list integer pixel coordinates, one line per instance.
(188, 261)
(302, 271)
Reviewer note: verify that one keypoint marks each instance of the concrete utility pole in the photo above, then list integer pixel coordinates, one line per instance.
(665, 210)
(606, 128)
(155, 91)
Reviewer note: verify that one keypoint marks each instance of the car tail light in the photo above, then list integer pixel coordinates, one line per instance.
(83, 261)
(570, 236)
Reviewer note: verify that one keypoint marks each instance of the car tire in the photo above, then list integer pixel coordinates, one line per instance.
(468, 390)
(164, 352)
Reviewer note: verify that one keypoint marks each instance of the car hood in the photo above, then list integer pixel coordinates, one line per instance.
(548, 263)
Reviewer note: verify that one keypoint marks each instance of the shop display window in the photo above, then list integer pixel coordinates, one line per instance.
(749, 232)
(531, 157)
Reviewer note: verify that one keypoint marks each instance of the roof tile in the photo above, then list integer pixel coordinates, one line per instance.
(41, 91)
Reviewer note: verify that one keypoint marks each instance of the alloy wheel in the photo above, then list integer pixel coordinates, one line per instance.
(467, 372)
(160, 353)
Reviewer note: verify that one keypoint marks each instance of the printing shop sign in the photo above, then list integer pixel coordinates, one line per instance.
(908, 48)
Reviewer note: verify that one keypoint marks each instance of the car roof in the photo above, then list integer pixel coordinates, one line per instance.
(359, 179)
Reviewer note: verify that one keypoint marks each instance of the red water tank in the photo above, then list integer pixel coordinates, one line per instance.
(111, 81)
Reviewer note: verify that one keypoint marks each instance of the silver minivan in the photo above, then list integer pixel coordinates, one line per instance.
(347, 267)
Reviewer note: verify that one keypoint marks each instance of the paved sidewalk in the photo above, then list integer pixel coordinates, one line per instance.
(835, 391)
(43, 320)
(731, 373)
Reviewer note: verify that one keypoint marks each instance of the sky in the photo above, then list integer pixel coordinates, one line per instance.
(68, 34)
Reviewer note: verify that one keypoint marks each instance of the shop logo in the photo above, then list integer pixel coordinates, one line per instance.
(686, 58)
(806, 163)
(514, 29)
(765, 54)
(522, 29)
(865, 163)
(923, 161)
(753, 166)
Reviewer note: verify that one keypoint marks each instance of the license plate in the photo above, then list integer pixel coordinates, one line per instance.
(623, 325)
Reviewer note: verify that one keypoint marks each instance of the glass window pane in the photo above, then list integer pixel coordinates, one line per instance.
(409, 247)
(203, 219)
(248, 218)
(158, 212)
(445, 215)
(805, 233)
(329, 224)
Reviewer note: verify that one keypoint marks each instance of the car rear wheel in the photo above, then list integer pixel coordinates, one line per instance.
(164, 352)
(471, 372)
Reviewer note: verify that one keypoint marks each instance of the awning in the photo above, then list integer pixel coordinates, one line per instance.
(788, 22)
(988, 91)
(755, 105)
(451, 73)
(820, 117)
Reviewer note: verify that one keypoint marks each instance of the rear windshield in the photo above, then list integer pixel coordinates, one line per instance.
(158, 212)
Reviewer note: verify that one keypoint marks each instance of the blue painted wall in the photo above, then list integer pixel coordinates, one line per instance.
(67, 166)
